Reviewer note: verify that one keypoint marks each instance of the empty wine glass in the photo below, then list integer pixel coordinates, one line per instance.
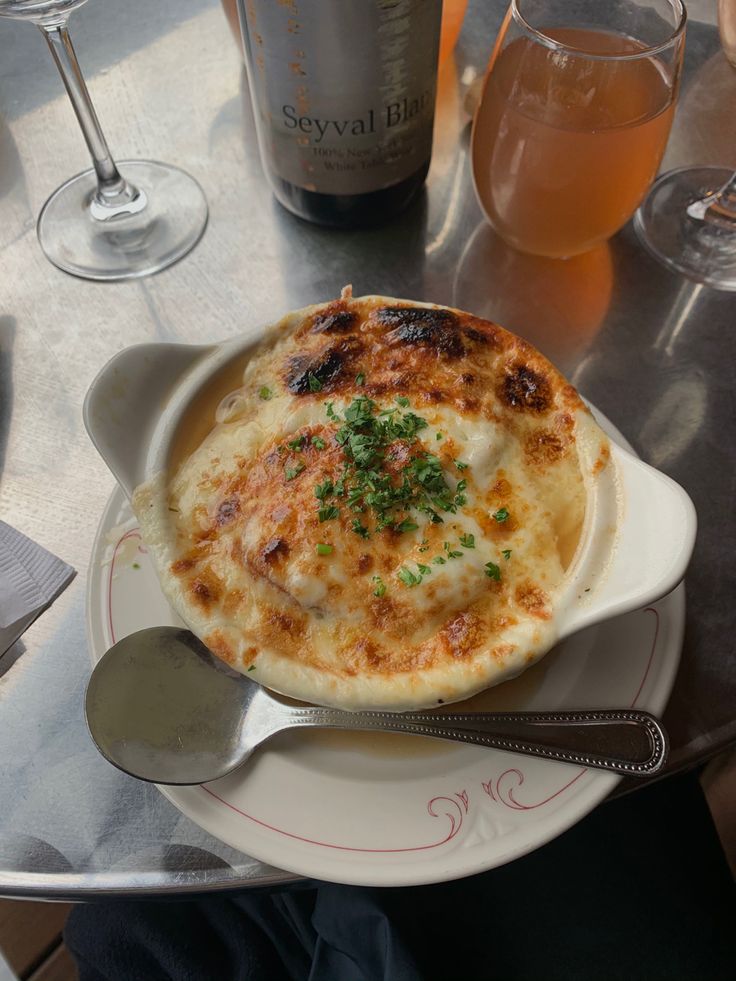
(688, 221)
(101, 224)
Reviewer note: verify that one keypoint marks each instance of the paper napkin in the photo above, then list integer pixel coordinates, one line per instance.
(30, 580)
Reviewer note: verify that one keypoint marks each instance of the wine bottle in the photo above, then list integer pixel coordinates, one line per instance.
(343, 95)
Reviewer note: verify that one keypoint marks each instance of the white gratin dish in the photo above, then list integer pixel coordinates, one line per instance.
(639, 528)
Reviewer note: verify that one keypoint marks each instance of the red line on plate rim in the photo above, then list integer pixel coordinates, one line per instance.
(512, 803)
(131, 533)
(454, 829)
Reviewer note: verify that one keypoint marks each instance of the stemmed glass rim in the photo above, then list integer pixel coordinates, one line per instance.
(646, 52)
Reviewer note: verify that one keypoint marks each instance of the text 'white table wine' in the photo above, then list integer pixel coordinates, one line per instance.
(343, 94)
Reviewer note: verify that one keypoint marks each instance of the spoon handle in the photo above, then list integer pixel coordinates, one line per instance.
(624, 741)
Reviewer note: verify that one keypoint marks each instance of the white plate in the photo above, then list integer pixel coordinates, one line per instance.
(381, 809)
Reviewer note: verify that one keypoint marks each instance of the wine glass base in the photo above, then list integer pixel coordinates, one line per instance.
(124, 246)
(700, 250)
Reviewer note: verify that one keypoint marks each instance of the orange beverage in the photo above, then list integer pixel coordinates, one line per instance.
(453, 13)
(567, 139)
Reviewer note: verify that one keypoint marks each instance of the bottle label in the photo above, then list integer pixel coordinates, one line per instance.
(343, 90)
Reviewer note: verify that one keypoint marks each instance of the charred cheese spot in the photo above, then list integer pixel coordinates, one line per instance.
(543, 446)
(604, 455)
(479, 336)
(274, 550)
(221, 647)
(462, 634)
(434, 397)
(365, 563)
(369, 654)
(502, 652)
(324, 371)
(205, 589)
(533, 599)
(338, 322)
(233, 601)
(282, 622)
(227, 511)
(435, 329)
(182, 565)
(524, 389)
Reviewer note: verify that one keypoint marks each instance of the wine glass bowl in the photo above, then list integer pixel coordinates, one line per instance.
(688, 222)
(39, 11)
(573, 119)
(103, 224)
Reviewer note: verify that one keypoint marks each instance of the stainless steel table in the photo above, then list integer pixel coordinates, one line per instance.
(653, 351)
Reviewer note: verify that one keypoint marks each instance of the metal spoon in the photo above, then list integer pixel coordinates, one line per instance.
(162, 708)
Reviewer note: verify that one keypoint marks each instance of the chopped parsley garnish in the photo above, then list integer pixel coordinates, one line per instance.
(501, 515)
(292, 472)
(252, 667)
(323, 549)
(318, 443)
(460, 465)
(297, 444)
(438, 435)
(323, 490)
(360, 379)
(493, 571)
(315, 385)
(467, 541)
(438, 560)
(265, 393)
(450, 552)
(327, 513)
(136, 565)
(424, 545)
(380, 589)
(408, 577)
(371, 485)
(506, 553)
(359, 528)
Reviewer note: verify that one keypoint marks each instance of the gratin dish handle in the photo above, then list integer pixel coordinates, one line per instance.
(652, 549)
(126, 400)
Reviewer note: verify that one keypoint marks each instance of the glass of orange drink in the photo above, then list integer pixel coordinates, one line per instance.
(574, 117)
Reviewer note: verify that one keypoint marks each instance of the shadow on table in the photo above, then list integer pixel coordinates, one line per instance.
(9, 657)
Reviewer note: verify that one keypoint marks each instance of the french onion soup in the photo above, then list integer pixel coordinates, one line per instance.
(384, 512)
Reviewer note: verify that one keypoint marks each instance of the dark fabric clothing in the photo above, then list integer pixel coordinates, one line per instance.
(638, 891)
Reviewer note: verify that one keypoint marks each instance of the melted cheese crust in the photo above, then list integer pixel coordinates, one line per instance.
(235, 531)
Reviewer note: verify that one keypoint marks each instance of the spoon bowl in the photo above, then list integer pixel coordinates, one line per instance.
(162, 708)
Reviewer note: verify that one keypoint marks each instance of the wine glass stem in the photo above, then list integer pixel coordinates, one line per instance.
(115, 196)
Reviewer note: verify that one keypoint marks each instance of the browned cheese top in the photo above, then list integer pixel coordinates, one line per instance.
(383, 513)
